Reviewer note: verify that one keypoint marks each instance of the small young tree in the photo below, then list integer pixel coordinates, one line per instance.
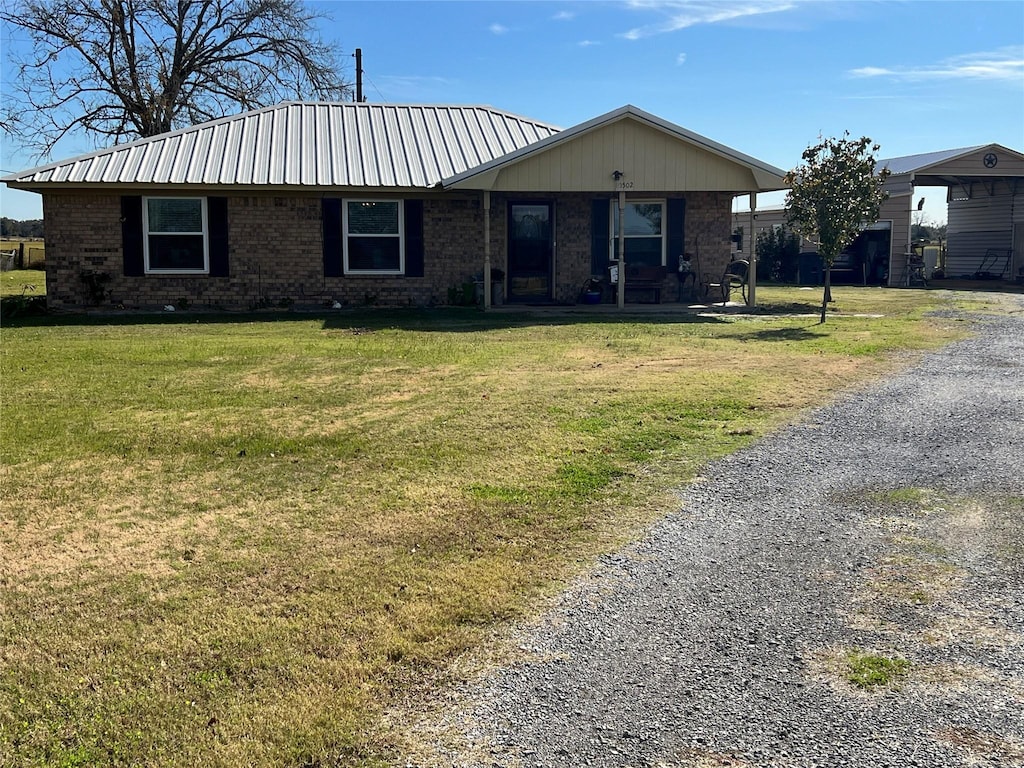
(833, 194)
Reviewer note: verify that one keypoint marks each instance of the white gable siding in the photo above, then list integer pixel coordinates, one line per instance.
(649, 159)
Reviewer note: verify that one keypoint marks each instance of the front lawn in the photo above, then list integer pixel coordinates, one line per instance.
(233, 541)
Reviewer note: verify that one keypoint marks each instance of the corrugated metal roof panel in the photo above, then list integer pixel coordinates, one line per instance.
(309, 144)
(912, 163)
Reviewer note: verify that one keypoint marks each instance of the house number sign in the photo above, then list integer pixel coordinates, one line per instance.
(621, 185)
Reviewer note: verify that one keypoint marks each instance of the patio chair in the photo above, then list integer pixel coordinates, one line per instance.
(735, 276)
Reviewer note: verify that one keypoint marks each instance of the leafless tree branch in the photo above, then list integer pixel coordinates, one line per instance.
(123, 69)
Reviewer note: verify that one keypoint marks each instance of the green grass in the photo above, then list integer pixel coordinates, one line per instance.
(869, 670)
(235, 540)
(23, 282)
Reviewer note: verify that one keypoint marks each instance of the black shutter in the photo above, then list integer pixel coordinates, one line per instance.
(599, 224)
(332, 237)
(131, 236)
(414, 238)
(217, 219)
(676, 221)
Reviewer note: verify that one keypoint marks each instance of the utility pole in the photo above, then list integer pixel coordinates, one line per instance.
(359, 76)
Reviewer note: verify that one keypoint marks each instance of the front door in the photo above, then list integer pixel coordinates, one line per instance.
(530, 251)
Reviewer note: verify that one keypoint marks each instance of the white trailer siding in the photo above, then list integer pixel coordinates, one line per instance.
(896, 209)
(981, 222)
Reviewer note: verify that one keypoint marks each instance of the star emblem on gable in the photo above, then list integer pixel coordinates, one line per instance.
(990, 160)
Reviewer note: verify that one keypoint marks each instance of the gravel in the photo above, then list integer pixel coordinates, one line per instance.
(720, 639)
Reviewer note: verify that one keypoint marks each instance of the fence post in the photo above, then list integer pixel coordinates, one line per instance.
(21, 255)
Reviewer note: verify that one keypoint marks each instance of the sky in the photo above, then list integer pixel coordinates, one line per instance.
(765, 77)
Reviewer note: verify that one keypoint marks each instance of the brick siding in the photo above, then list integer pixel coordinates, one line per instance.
(276, 253)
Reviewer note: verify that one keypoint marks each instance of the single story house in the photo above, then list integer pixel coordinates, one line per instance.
(357, 204)
(985, 207)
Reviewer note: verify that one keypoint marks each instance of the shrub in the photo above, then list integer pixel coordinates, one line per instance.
(778, 250)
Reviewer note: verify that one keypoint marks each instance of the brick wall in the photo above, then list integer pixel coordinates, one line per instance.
(276, 253)
(708, 232)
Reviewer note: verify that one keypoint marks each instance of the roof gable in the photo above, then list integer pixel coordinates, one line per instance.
(656, 153)
(968, 161)
(320, 145)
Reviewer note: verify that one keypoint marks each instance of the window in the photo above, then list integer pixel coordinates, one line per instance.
(176, 235)
(374, 237)
(644, 232)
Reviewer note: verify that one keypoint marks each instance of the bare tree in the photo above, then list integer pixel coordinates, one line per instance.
(123, 69)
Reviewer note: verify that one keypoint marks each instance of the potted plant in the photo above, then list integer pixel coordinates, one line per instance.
(593, 290)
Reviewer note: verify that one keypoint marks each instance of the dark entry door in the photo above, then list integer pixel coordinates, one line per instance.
(530, 250)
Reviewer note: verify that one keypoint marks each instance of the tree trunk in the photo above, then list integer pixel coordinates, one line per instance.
(826, 296)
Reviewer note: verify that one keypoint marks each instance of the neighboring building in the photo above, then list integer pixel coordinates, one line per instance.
(985, 198)
(864, 262)
(985, 228)
(314, 203)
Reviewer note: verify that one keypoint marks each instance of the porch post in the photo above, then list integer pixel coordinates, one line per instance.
(487, 249)
(752, 273)
(622, 250)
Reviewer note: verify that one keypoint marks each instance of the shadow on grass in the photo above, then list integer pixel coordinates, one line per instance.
(784, 334)
(789, 308)
(441, 319)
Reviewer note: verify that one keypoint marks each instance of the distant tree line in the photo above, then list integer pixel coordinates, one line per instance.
(15, 228)
(927, 231)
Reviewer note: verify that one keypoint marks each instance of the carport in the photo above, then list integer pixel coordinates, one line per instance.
(985, 199)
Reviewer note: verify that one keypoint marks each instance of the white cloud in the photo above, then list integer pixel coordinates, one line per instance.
(1003, 64)
(588, 43)
(680, 59)
(684, 13)
(498, 29)
(564, 16)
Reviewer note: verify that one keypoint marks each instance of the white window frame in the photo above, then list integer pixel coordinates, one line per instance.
(146, 233)
(345, 236)
(613, 237)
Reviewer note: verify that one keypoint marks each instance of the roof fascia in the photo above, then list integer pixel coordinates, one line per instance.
(42, 187)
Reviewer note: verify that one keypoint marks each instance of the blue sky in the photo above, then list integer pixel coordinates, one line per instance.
(764, 77)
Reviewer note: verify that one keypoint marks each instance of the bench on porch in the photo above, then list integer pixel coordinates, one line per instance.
(640, 277)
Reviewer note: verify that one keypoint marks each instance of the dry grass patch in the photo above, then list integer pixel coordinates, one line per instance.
(983, 748)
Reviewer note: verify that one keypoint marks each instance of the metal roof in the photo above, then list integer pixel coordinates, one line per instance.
(311, 144)
(914, 163)
(768, 176)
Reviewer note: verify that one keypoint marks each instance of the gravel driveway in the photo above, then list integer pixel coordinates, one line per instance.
(889, 524)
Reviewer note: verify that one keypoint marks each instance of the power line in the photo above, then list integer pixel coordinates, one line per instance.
(383, 98)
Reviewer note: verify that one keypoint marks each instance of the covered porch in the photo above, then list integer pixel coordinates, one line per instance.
(615, 202)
